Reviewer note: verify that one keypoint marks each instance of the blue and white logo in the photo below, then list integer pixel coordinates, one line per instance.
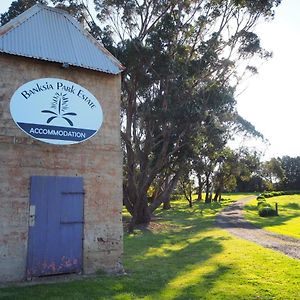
(56, 111)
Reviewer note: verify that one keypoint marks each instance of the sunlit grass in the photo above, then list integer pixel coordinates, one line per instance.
(241, 270)
(288, 221)
(184, 257)
(237, 196)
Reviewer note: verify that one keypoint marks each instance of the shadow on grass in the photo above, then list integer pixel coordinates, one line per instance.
(293, 206)
(148, 274)
(206, 284)
(171, 261)
(153, 262)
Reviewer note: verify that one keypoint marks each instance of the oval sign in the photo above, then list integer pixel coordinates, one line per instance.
(56, 111)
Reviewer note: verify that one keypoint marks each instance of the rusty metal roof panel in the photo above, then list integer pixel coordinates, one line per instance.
(51, 34)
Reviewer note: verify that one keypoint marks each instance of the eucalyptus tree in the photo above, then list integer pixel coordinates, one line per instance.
(183, 61)
(233, 165)
(225, 173)
(291, 171)
(272, 171)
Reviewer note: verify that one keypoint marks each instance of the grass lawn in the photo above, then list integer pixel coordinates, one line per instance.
(288, 221)
(227, 196)
(183, 256)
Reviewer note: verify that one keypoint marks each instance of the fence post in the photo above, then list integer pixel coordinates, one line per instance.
(276, 208)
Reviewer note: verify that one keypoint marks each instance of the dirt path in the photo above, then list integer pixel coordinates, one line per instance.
(231, 219)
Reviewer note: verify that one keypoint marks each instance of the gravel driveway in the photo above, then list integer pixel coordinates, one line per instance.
(231, 219)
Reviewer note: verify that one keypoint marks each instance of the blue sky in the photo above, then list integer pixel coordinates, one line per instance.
(271, 100)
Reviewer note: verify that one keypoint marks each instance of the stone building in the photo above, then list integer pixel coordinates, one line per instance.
(60, 157)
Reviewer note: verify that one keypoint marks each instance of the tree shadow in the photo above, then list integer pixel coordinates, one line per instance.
(294, 206)
(206, 284)
(152, 260)
(170, 261)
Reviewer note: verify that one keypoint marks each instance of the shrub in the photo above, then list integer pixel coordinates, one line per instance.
(261, 202)
(260, 197)
(277, 194)
(265, 204)
(267, 195)
(266, 211)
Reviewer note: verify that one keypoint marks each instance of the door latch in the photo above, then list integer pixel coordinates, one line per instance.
(31, 215)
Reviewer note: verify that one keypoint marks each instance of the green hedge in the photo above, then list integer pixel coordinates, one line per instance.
(265, 210)
(277, 193)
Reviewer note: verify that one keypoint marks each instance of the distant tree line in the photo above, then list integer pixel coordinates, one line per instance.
(239, 171)
(282, 173)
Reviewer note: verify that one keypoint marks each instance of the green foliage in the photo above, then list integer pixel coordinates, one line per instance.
(261, 202)
(179, 83)
(183, 62)
(268, 195)
(183, 256)
(277, 193)
(246, 127)
(276, 174)
(288, 221)
(282, 173)
(265, 210)
(264, 204)
(291, 167)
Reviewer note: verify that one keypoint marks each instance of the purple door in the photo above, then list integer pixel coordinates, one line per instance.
(55, 225)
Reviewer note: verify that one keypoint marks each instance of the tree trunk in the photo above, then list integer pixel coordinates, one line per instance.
(199, 188)
(207, 189)
(207, 197)
(167, 203)
(141, 213)
(165, 195)
(216, 195)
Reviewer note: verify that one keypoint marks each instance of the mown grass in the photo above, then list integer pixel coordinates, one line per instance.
(229, 196)
(288, 221)
(182, 255)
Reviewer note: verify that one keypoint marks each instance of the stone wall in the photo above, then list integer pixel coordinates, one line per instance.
(97, 160)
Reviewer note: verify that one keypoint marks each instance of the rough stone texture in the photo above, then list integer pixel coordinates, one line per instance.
(97, 160)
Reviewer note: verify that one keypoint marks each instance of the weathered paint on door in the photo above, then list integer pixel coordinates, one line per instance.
(55, 225)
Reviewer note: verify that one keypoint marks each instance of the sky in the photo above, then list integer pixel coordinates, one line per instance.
(271, 99)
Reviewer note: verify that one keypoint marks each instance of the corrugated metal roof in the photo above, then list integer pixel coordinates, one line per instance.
(51, 34)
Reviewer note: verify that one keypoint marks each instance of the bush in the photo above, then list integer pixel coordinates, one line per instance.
(264, 195)
(265, 204)
(267, 195)
(265, 210)
(275, 194)
(261, 202)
